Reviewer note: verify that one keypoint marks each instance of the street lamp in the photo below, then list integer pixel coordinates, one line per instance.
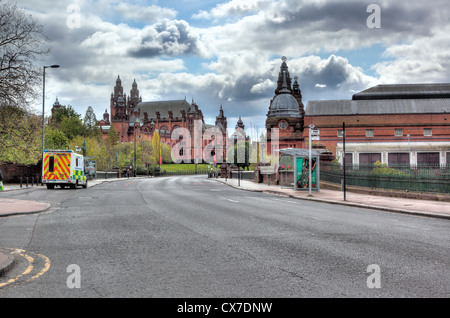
(43, 105)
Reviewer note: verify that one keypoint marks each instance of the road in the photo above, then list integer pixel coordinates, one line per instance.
(195, 237)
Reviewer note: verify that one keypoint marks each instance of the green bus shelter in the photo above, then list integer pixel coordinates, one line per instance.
(301, 168)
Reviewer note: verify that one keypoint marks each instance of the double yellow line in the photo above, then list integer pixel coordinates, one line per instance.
(30, 267)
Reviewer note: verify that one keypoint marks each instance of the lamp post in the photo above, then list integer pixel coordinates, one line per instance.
(43, 105)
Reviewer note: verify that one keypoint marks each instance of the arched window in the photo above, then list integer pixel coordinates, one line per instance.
(164, 132)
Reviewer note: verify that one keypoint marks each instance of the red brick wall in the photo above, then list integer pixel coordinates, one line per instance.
(383, 126)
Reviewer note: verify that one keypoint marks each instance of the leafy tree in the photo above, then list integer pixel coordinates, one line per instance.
(238, 154)
(92, 145)
(90, 123)
(112, 140)
(156, 145)
(166, 152)
(55, 139)
(68, 121)
(20, 136)
(21, 44)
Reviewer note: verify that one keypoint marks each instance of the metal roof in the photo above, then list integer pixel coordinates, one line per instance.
(377, 106)
(405, 91)
(298, 152)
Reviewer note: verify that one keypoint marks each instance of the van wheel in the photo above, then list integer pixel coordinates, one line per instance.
(50, 186)
(85, 185)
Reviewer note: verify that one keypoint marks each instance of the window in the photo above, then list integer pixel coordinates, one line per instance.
(448, 158)
(369, 133)
(398, 132)
(51, 164)
(340, 133)
(398, 158)
(428, 158)
(427, 132)
(369, 158)
(348, 159)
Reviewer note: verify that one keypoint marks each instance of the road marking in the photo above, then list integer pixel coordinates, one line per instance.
(295, 202)
(229, 200)
(31, 266)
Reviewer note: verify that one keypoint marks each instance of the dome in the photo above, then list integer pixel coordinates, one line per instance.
(284, 105)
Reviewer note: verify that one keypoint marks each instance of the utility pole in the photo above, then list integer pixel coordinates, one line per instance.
(343, 132)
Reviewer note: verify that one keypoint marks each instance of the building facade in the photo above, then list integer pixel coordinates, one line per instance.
(286, 113)
(393, 124)
(135, 120)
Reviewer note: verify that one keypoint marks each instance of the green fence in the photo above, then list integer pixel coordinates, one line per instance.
(425, 178)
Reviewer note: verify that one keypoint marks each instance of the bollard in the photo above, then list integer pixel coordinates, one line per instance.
(27, 182)
(20, 182)
(32, 181)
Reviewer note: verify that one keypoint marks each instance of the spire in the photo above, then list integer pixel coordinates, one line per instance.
(221, 115)
(284, 79)
(240, 123)
(284, 89)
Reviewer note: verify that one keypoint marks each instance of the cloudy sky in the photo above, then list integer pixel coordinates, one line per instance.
(229, 52)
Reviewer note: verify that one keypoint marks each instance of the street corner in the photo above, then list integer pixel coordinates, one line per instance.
(7, 262)
(10, 207)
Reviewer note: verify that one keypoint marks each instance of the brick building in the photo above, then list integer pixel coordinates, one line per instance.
(137, 120)
(394, 124)
(286, 112)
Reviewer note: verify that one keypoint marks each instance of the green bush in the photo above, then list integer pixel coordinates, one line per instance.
(385, 170)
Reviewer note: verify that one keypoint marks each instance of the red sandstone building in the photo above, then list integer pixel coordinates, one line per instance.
(393, 124)
(286, 113)
(137, 120)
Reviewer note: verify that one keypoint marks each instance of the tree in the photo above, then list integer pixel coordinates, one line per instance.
(156, 145)
(55, 139)
(21, 45)
(239, 154)
(68, 121)
(90, 122)
(112, 140)
(20, 136)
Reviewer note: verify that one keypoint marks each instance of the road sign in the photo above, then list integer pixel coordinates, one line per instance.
(315, 134)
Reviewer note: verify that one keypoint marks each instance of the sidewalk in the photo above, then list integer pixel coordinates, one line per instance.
(437, 209)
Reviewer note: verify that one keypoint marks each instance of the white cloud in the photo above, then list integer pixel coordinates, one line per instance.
(152, 13)
(425, 59)
(238, 49)
(233, 8)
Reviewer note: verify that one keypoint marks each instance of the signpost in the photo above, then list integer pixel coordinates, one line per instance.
(311, 128)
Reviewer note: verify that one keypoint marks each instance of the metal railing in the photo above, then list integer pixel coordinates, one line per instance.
(420, 178)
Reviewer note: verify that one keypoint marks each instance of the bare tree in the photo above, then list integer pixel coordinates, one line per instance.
(21, 44)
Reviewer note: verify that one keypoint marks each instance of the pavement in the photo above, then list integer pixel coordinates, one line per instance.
(427, 208)
(424, 208)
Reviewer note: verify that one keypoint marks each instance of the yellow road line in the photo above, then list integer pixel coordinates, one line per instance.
(29, 268)
(27, 271)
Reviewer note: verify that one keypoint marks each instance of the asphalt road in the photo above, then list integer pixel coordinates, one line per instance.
(194, 237)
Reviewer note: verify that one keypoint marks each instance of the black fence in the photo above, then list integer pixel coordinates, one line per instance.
(419, 178)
